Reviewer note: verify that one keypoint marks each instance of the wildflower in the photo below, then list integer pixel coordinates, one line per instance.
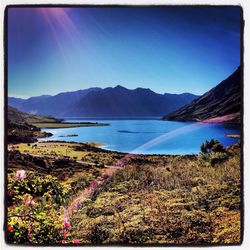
(10, 192)
(29, 201)
(67, 225)
(20, 174)
(64, 242)
(76, 241)
(64, 233)
(9, 228)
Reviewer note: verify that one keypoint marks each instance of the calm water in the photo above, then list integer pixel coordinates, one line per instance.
(149, 136)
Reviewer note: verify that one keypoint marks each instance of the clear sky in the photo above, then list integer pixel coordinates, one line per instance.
(174, 50)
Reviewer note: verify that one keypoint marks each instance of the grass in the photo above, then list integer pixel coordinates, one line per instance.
(67, 124)
(183, 201)
(152, 199)
(54, 149)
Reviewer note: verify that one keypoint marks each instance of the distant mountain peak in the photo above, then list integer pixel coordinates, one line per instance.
(120, 87)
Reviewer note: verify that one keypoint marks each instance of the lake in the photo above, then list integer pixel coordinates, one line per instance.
(147, 136)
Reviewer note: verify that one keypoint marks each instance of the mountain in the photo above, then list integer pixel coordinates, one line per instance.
(94, 102)
(49, 105)
(221, 103)
(18, 116)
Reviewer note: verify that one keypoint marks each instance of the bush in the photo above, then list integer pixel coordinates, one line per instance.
(98, 234)
(212, 146)
(35, 209)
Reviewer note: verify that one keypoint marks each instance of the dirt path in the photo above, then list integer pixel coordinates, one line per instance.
(86, 193)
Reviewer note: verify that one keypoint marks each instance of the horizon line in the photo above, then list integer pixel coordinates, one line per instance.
(101, 88)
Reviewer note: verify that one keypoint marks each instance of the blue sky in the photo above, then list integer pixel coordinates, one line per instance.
(174, 50)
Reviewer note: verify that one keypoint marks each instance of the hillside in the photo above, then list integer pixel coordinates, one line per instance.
(15, 115)
(222, 103)
(117, 101)
(20, 129)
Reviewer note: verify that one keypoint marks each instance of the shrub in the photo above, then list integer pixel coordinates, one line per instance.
(98, 234)
(212, 146)
(35, 209)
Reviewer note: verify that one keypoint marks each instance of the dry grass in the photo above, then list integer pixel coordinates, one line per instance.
(152, 199)
(183, 202)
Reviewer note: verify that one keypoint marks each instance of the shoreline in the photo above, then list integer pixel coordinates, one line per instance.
(98, 147)
(45, 125)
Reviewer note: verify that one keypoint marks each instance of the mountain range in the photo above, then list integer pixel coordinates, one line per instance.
(108, 102)
(222, 103)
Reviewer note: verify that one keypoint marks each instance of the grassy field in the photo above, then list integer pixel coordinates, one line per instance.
(67, 124)
(192, 199)
(54, 149)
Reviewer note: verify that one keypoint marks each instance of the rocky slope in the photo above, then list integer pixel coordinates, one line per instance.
(221, 104)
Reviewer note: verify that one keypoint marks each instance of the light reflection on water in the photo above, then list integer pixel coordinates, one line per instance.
(149, 136)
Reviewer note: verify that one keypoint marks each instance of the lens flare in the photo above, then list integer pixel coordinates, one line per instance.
(76, 203)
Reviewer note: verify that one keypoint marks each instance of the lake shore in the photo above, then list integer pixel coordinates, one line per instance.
(51, 125)
(146, 136)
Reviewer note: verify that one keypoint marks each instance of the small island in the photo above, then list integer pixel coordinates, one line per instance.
(73, 135)
(233, 135)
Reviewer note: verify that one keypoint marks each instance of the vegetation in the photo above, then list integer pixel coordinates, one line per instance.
(39, 189)
(212, 146)
(35, 209)
(18, 116)
(76, 151)
(148, 199)
(24, 132)
(182, 202)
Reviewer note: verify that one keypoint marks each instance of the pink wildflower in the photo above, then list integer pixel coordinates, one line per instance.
(76, 241)
(29, 201)
(20, 174)
(67, 225)
(64, 233)
(64, 242)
